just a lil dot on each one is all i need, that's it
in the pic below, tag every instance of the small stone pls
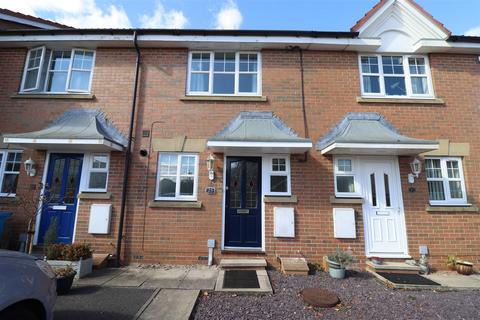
(320, 298)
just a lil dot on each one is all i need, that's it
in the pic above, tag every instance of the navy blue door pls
(63, 181)
(243, 212)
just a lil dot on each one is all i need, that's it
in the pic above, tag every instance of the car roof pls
(15, 254)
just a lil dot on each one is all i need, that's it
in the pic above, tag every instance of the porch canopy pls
(74, 130)
(258, 132)
(370, 134)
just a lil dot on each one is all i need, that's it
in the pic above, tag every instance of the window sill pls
(456, 208)
(175, 204)
(336, 200)
(78, 96)
(7, 199)
(95, 195)
(225, 98)
(280, 199)
(437, 101)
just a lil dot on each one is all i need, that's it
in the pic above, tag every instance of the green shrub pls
(69, 252)
(51, 234)
(343, 258)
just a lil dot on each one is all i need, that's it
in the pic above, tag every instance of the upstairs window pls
(224, 73)
(10, 164)
(395, 76)
(58, 71)
(446, 184)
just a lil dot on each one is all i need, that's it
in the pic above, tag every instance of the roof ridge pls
(34, 18)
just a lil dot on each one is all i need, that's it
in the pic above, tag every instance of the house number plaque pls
(210, 190)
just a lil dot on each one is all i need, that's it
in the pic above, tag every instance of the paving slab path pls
(170, 304)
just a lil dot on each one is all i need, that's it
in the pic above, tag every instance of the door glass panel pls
(251, 184)
(387, 190)
(56, 183)
(72, 181)
(235, 187)
(374, 189)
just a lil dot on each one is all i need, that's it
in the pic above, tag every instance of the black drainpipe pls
(305, 123)
(128, 153)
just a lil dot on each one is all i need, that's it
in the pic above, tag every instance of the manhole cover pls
(405, 278)
(237, 279)
(320, 297)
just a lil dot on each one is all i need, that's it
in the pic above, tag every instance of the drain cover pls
(239, 279)
(404, 278)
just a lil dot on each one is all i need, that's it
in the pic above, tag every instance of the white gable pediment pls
(400, 25)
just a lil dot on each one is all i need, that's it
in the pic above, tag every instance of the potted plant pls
(65, 278)
(77, 255)
(337, 262)
(451, 262)
(464, 267)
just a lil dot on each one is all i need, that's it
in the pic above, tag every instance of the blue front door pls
(243, 211)
(63, 181)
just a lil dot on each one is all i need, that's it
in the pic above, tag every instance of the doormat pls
(239, 279)
(405, 278)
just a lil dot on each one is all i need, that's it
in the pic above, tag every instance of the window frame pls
(88, 168)
(46, 75)
(236, 74)
(406, 74)
(40, 67)
(4, 153)
(353, 172)
(446, 186)
(178, 197)
(268, 171)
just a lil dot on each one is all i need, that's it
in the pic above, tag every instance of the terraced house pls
(272, 143)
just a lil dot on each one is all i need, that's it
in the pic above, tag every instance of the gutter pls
(128, 153)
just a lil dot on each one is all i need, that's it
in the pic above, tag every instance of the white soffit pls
(401, 27)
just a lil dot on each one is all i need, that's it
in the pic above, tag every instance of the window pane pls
(251, 186)
(80, 80)
(167, 187)
(453, 170)
(247, 83)
(31, 79)
(34, 59)
(248, 63)
(57, 81)
(417, 65)
(10, 181)
(278, 184)
(199, 82)
(369, 64)
(234, 187)
(455, 189)
(73, 178)
(279, 164)
(395, 86)
(387, 190)
(200, 62)
(168, 164)
(435, 190)
(371, 84)
(345, 184)
(14, 161)
(98, 180)
(100, 162)
(187, 165)
(374, 189)
(345, 165)
(186, 186)
(82, 60)
(432, 168)
(56, 183)
(60, 60)
(224, 83)
(419, 85)
(392, 65)
(224, 62)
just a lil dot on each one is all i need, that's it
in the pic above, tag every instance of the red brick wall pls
(331, 87)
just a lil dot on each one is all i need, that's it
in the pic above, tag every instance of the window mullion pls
(381, 75)
(210, 80)
(237, 73)
(407, 75)
(69, 71)
(177, 186)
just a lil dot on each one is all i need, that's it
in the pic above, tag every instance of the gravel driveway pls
(362, 298)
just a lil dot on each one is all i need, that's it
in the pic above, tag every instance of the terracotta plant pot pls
(464, 267)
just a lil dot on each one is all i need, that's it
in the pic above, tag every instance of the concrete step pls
(170, 304)
(100, 260)
(394, 267)
(296, 266)
(243, 263)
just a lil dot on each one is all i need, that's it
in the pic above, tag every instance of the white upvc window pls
(278, 177)
(395, 76)
(58, 71)
(346, 179)
(446, 183)
(177, 177)
(10, 164)
(96, 167)
(224, 73)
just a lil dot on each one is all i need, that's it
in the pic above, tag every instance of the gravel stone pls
(362, 297)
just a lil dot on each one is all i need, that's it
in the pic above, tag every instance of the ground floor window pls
(97, 168)
(346, 179)
(10, 163)
(446, 183)
(177, 176)
(278, 175)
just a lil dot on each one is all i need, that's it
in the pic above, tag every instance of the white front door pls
(385, 234)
